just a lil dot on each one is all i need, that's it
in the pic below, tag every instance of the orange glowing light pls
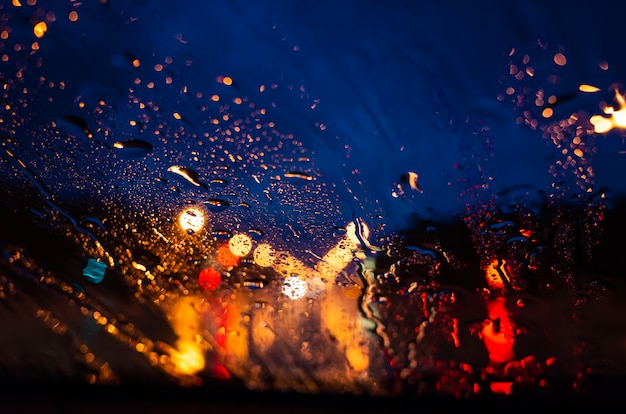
(497, 332)
(136, 63)
(547, 112)
(17, 3)
(560, 59)
(225, 257)
(495, 274)
(227, 80)
(617, 118)
(73, 16)
(588, 88)
(40, 29)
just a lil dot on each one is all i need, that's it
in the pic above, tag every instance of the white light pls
(191, 220)
(294, 287)
(240, 245)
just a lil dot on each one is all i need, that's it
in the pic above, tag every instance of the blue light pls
(94, 271)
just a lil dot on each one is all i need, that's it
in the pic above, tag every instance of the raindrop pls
(91, 221)
(257, 234)
(188, 174)
(133, 148)
(219, 181)
(216, 205)
(221, 234)
(299, 175)
(75, 124)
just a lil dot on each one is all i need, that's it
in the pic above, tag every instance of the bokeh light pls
(264, 255)
(294, 287)
(209, 279)
(191, 220)
(240, 244)
(225, 257)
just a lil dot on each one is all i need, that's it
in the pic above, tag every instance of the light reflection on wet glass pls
(182, 229)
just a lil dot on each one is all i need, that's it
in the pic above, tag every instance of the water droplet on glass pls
(221, 234)
(216, 204)
(75, 125)
(257, 234)
(133, 148)
(219, 181)
(299, 175)
(188, 174)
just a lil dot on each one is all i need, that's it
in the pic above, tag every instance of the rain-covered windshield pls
(353, 198)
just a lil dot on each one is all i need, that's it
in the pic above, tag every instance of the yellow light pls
(177, 116)
(264, 255)
(17, 3)
(358, 360)
(191, 220)
(588, 88)
(40, 29)
(240, 245)
(227, 80)
(187, 357)
(413, 177)
(617, 117)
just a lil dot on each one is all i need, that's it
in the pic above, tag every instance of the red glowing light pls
(209, 279)
(503, 387)
(225, 257)
(219, 371)
(498, 332)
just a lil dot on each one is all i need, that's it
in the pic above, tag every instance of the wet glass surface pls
(378, 201)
